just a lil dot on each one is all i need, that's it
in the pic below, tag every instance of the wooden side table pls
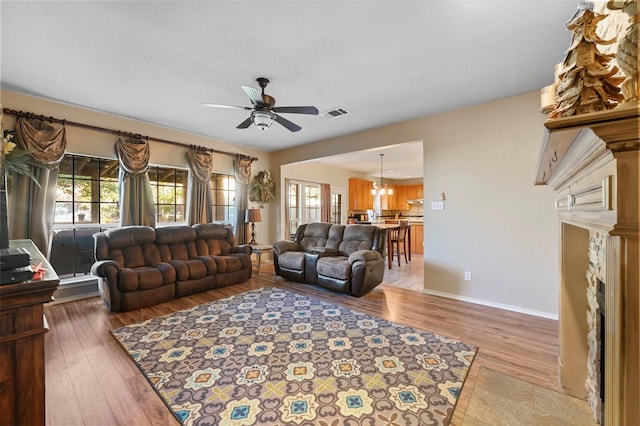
(22, 331)
(258, 249)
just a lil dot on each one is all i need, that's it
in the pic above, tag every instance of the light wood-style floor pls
(91, 380)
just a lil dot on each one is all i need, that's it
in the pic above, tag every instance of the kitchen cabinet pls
(404, 193)
(400, 195)
(360, 197)
(417, 239)
(414, 191)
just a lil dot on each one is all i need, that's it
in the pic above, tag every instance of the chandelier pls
(381, 188)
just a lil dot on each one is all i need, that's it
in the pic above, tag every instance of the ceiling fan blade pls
(286, 123)
(204, 104)
(297, 110)
(246, 123)
(254, 94)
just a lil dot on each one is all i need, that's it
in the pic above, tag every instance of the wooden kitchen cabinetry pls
(400, 198)
(360, 197)
(404, 193)
(417, 239)
(414, 192)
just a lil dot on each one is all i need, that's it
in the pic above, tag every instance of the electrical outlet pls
(467, 275)
(437, 205)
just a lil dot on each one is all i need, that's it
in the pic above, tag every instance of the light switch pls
(437, 205)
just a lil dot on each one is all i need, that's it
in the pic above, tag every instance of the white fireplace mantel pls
(592, 162)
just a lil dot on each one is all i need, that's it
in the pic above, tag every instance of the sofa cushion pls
(334, 267)
(315, 235)
(190, 269)
(146, 277)
(213, 239)
(293, 260)
(176, 243)
(130, 246)
(336, 235)
(356, 237)
(227, 264)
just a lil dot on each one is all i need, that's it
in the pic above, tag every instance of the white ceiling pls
(383, 61)
(402, 161)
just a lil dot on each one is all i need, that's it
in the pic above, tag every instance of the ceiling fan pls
(264, 111)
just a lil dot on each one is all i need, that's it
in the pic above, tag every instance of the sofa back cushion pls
(130, 246)
(214, 239)
(356, 237)
(176, 243)
(336, 234)
(315, 235)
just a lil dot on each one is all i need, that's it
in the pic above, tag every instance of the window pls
(303, 204)
(169, 187)
(292, 208)
(336, 208)
(223, 196)
(86, 202)
(312, 203)
(87, 191)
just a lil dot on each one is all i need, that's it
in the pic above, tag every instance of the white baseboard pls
(71, 289)
(492, 304)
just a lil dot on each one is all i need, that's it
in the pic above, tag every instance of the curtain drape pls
(199, 204)
(242, 171)
(325, 202)
(32, 207)
(291, 223)
(134, 189)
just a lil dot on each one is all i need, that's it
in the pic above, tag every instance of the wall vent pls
(334, 113)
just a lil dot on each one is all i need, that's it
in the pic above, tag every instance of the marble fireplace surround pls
(592, 161)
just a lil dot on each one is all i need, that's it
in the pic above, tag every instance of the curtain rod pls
(116, 132)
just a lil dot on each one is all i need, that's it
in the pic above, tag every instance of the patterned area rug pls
(271, 356)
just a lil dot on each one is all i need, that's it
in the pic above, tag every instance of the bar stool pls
(398, 241)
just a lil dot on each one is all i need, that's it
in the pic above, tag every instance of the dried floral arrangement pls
(262, 188)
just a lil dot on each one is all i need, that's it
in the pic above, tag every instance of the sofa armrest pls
(100, 267)
(323, 251)
(242, 248)
(282, 246)
(364, 256)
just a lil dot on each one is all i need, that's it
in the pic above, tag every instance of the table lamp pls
(252, 216)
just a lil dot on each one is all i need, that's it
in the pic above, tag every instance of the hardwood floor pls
(91, 380)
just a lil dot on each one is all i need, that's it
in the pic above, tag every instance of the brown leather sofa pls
(139, 266)
(343, 258)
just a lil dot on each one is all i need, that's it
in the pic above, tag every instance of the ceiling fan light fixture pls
(262, 119)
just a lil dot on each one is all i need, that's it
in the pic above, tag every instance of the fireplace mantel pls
(592, 162)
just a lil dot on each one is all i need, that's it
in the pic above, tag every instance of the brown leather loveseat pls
(139, 266)
(343, 258)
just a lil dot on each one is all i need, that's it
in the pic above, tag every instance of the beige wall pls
(496, 223)
(101, 144)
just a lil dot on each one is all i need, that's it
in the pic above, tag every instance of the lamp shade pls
(252, 215)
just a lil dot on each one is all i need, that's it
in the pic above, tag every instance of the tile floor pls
(501, 400)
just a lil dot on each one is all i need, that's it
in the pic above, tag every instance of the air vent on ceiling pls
(334, 113)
